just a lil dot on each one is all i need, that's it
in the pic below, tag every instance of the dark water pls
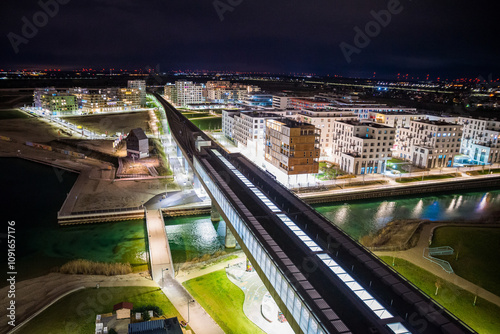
(33, 193)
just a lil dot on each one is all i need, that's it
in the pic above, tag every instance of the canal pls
(33, 193)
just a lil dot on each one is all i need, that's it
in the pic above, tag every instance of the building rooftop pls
(293, 123)
(414, 113)
(369, 124)
(164, 326)
(257, 114)
(121, 305)
(426, 121)
(139, 133)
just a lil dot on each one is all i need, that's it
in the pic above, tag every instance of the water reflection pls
(362, 217)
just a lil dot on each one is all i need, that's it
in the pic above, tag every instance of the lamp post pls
(189, 302)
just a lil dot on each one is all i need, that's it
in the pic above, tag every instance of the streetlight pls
(189, 302)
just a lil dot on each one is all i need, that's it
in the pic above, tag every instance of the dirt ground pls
(34, 294)
(112, 123)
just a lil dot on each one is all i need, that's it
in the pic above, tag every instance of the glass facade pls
(294, 303)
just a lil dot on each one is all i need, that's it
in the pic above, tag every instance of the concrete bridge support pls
(230, 241)
(214, 214)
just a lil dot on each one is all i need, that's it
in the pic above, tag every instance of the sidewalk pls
(199, 320)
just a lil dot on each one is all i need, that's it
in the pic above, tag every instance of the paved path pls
(72, 197)
(415, 256)
(159, 249)
(199, 320)
(255, 291)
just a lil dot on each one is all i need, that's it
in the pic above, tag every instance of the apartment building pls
(480, 140)
(141, 86)
(292, 147)
(362, 148)
(395, 119)
(429, 144)
(304, 103)
(363, 109)
(60, 104)
(324, 119)
(183, 93)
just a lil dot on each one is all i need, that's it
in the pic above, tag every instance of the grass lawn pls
(483, 317)
(76, 312)
(478, 253)
(196, 115)
(484, 172)
(208, 123)
(426, 178)
(395, 161)
(223, 301)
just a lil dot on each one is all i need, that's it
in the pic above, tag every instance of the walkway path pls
(159, 249)
(199, 320)
(415, 256)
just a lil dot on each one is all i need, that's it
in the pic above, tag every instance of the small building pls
(163, 326)
(123, 310)
(137, 144)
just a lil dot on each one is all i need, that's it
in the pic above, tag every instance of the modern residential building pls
(250, 132)
(59, 104)
(282, 101)
(480, 140)
(429, 144)
(395, 119)
(257, 100)
(128, 98)
(324, 119)
(308, 103)
(141, 86)
(363, 108)
(228, 123)
(183, 93)
(362, 148)
(292, 147)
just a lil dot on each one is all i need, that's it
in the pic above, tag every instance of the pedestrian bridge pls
(322, 280)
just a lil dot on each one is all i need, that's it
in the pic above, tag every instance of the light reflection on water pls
(363, 217)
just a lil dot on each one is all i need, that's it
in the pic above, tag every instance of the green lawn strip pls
(76, 312)
(208, 123)
(484, 172)
(477, 255)
(223, 301)
(426, 178)
(483, 317)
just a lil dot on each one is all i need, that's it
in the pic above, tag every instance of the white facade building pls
(324, 119)
(363, 109)
(362, 148)
(480, 140)
(429, 144)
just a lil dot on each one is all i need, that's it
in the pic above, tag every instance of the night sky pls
(443, 38)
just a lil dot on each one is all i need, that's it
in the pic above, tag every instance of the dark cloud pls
(438, 37)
